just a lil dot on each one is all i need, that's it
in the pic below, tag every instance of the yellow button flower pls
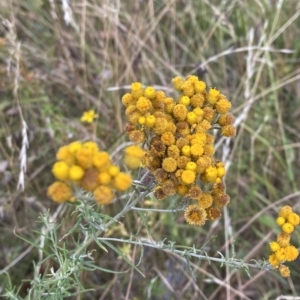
(188, 176)
(61, 170)
(59, 192)
(88, 116)
(122, 182)
(103, 195)
(76, 173)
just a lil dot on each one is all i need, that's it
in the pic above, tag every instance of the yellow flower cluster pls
(86, 166)
(133, 156)
(180, 151)
(282, 249)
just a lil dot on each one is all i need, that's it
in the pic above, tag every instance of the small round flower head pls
(291, 253)
(101, 160)
(213, 213)
(142, 120)
(200, 86)
(177, 82)
(228, 130)
(209, 150)
(221, 200)
(203, 163)
(274, 246)
(104, 178)
(152, 162)
(283, 239)
(197, 100)
(169, 187)
(221, 171)
(285, 211)
(209, 114)
(168, 138)
(160, 126)
(206, 200)
(160, 175)
(129, 127)
(134, 150)
(144, 105)
(199, 138)
(185, 100)
(274, 261)
(188, 88)
(113, 170)
(199, 113)
(213, 96)
(195, 215)
(90, 180)
(223, 105)
(131, 109)
(195, 192)
(188, 176)
(182, 161)
(226, 119)
(181, 142)
(64, 154)
(280, 221)
(150, 121)
(149, 92)
(91, 146)
(103, 195)
(59, 192)
(280, 254)
(84, 158)
(169, 164)
(133, 156)
(159, 193)
(191, 166)
(76, 173)
(180, 112)
(293, 219)
(127, 99)
(137, 136)
(122, 182)
(197, 150)
(160, 96)
(169, 105)
(284, 271)
(74, 147)
(183, 128)
(173, 151)
(171, 127)
(182, 189)
(137, 90)
(186, 150)
(203, 126)
(191, 118)
(158, 147)
(61, 170)
(287, 227)
(210, 139)
(210, 174)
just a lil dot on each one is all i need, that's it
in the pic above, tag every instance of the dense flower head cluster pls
(86, 166)
(282, 249)
(180, 147)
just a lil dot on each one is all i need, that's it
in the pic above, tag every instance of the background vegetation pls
(58, 61)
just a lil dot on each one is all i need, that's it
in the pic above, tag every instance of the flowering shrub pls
(85, 165)
(173, 140)
(282, 249)
(179, 148)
